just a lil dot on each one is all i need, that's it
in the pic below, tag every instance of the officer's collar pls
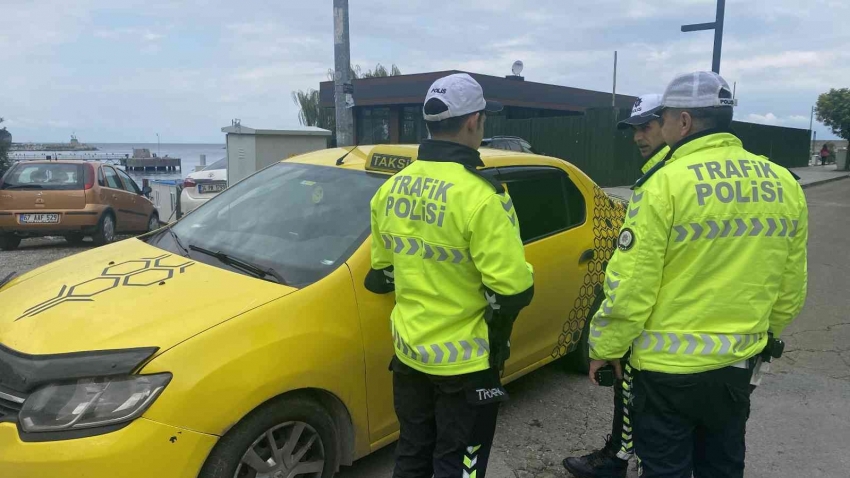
(653, 158)
(688, 145)
(449, 152)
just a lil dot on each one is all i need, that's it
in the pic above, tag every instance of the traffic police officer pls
(460, 277)
(613, 459)
(711, 261)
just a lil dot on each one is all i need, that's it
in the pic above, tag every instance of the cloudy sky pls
(121, 71)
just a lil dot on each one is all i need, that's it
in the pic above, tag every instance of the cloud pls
(768, 118)
(114, 70)
(137, 34)
(771, 119)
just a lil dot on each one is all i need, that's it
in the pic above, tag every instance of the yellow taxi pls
(241, 342)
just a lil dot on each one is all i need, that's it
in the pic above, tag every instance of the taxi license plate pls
(211, 188)
(39, 218)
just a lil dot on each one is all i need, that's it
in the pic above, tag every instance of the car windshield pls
(302, 221)
(44, 176)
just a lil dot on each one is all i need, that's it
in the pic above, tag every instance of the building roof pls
(299, 131)
(411, 89)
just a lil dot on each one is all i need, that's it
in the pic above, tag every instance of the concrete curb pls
(824, 181)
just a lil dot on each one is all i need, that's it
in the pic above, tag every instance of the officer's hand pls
(618, 369)
(595, 365)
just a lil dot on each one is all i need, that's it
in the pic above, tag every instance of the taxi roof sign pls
(390, 159)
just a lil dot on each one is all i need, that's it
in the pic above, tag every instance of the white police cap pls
(461, 95)
(700, 89)
(645, 110)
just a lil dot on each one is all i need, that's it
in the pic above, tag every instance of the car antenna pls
(339, 161)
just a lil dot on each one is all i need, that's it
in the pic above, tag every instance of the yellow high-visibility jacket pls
(450, 235)
(711, 256)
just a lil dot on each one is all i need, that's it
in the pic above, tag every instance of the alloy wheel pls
(285, 451)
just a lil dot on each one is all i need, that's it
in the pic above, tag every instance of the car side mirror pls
(146, 191)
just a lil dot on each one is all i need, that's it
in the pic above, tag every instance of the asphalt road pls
(800, 421)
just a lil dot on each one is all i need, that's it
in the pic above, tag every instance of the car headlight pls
(91, 402)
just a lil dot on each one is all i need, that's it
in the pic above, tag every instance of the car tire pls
(105, 233)
(579, 359)
(298, 424)
(9, 242)
(75, 239)
(153, 222)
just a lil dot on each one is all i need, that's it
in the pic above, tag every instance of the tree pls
(310, 111)
(833, 110)
(380, 71)
(357, 73)
(5, 143)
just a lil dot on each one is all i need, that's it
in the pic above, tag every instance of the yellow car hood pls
(125, 295)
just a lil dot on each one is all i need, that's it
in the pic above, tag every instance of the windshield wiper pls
(23, 186)
(242, 265)
(177, 241)
(7, 279)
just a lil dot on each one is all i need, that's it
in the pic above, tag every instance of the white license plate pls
(211, 188)
(39, 218)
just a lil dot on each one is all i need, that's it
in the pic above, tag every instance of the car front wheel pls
(153, 222)
(283, 438)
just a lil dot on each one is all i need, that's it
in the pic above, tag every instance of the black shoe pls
(602, 463)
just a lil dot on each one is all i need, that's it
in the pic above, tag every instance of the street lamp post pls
(812, 134)
(158, 154)
(717, 26)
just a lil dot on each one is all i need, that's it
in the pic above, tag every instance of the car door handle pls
(586, 256)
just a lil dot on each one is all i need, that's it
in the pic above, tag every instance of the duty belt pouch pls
(499, 327)
(484, 388)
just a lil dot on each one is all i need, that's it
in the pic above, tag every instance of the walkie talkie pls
(605, 376)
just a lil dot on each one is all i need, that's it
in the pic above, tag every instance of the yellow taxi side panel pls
(375, 310)
(142, 449)
(309, 339)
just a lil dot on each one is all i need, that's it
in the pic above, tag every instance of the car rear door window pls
(500, 144)
(545, 199)
(112, 180)
(129, 184)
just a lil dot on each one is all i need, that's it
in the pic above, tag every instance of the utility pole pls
(157, 146)
(614, 90)
(814, 140)
(342, 76)
(811, 124)
(717, 26)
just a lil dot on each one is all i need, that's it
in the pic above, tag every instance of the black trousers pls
(692, 423)
(447, 423)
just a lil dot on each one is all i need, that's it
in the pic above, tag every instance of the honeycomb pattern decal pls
(608, 216)
(135, 273)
